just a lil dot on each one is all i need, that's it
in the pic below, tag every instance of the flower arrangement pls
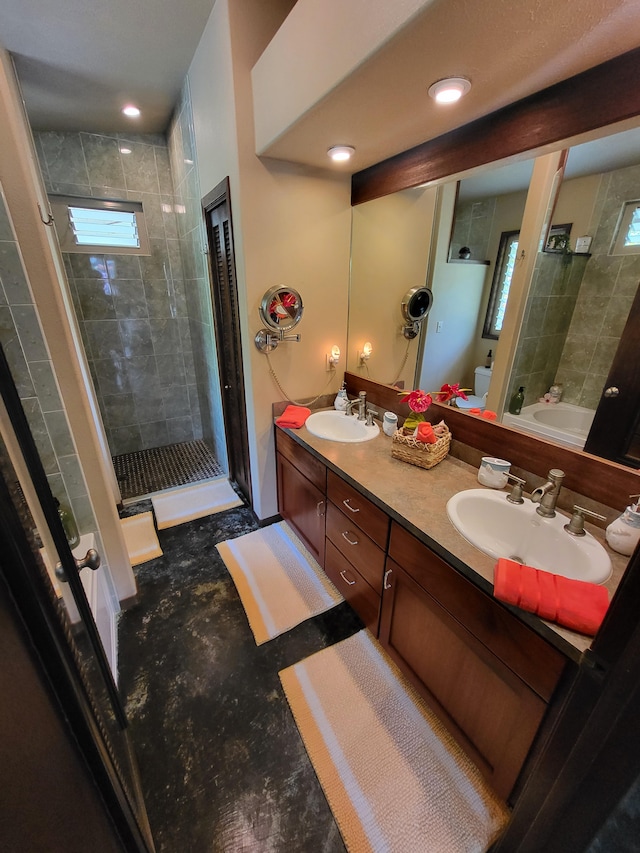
(419, 401)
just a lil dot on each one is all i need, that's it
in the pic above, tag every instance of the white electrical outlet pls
(439, 325)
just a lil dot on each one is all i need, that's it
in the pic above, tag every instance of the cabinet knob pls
(386, 585)
(345, 535)
(349, 507)
(346, 580)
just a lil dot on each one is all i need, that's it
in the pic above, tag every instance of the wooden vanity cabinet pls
(357, 536)
(486, 674)
(302, 488)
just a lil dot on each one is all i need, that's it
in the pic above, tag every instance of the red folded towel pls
(293, 417)
(575, 604)
(425, 433)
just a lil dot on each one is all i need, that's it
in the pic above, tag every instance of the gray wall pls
(550, 306)
(608, 289)
(32, 371)
(131, 310)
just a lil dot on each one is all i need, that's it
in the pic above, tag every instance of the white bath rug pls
(140, 538)
(190, 502)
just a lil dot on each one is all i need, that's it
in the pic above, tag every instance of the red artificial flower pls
(447, 392)
(418, 401)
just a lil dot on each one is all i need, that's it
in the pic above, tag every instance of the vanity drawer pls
(534, 660)
(353, 587)
(356, 546)
(314, 470)
(366, 515)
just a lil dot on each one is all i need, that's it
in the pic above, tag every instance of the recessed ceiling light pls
(449, 90)
(340, 153)
(131, 111)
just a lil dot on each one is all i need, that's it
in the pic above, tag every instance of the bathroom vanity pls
(379, 529)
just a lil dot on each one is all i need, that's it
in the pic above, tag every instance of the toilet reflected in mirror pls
(478, 399)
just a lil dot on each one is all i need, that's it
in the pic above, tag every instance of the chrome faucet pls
(547, 495)
(361, 403)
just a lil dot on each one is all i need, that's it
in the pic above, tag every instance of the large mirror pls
(457, 236)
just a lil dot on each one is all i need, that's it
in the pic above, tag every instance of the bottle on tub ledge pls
(517, 401)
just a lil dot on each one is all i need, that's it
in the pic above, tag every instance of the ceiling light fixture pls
(449, 90)
(341, 153)
(125, 151)
(131, 111)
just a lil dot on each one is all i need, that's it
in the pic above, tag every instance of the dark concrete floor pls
(222, 763)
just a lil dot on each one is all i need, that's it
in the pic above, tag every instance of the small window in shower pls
(100, 225)
(627, 237)
(505, 263)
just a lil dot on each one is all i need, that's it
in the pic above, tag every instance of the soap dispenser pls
(68, 523)
(340, 403)
(623, 534)
(517, 401)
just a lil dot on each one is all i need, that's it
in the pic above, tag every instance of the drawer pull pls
(350, 541)
(346, 580)
(349, 507)
(386, 585)
(320, 509)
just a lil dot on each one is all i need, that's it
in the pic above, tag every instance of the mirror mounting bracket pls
(266, 341)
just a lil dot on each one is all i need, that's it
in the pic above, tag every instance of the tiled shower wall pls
(472, 227)
(578, 306)
(550, 305)
(608, 288)
(131, 309)
(192, 236)
(32, 371)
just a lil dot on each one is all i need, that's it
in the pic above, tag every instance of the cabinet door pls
(488, 709)
(303, 505)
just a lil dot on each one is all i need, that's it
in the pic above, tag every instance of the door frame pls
(228, 337)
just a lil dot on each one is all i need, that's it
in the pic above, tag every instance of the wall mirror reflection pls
(578, 301)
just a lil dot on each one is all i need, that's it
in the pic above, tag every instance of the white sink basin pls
(336, 426)
(501, 529)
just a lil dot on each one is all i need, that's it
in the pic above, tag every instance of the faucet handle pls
(515, 496)
(576, 525)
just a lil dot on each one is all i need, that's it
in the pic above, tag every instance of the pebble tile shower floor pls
(145, 471)
(223, 767)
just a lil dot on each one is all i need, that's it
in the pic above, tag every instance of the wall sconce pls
(367, 349)
(333, 357)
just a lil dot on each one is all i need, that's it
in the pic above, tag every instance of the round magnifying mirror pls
(281, 308)
(416, 304)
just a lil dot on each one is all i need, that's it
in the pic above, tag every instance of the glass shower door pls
(37, 564)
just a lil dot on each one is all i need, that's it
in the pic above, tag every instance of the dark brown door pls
(615, 432)
(224, 294)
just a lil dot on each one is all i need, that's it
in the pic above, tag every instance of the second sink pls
(488, 521)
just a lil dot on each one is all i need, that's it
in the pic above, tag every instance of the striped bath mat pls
(140, 538)
(279, 582)
(187, 503)
(394, 777)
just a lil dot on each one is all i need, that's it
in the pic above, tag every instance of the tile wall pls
(193, 240)
(608, 288)
(132, 310)
(472, 228)
(550, 305)
(24, 345)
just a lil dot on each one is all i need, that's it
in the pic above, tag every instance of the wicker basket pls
(419, 453)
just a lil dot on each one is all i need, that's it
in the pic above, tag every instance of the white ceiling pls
(79, 61)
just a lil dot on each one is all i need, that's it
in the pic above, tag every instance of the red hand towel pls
(575, 604)
(425, 433)
(293, 417)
